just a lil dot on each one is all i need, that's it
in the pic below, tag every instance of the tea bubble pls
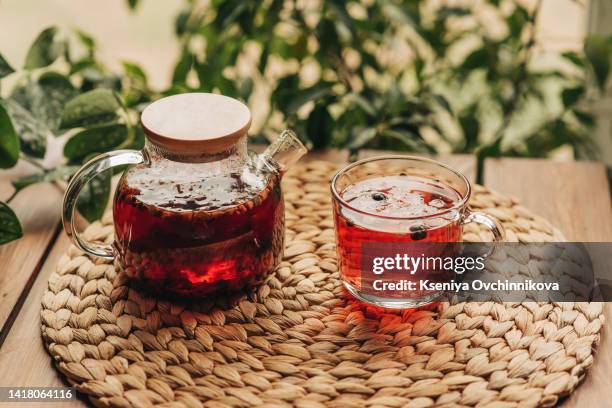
(437, 203)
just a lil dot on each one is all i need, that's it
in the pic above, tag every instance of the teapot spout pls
(284, 151)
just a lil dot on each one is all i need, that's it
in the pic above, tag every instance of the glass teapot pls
(196, 212)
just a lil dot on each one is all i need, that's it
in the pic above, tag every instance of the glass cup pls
(390, 204)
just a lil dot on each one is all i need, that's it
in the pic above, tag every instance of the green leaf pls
(517, 21)
(58, 173)
(246, 88)
(94, 140)
(5, 67)
(94, 196)
(87, 40)
(45, 49)
(302, 97)
(476, 59)
(9, 142)
(134, 71)
(586, 118)
(32, 133)
(471, 128)
(443, 102)
(446, 11)
(574, 58)
(182, 68)
(46, 98)
(91, 108)
(362, 137)
(410, 139)
(137, 87)
(82, 65)
(598, 52)
(319, 126)
(10, 228)
(572, 95)
(180, 23)
(286, 88)
(396, 13)
(97, 77)
(362, 102)
(132, 4)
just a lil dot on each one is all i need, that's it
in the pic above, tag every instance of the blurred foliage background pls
(414, 75)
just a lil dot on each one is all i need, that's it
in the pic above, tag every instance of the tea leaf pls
(58, 173)
(94, 140)
(91, 108)
(10, 228)
(5, 68)
(45, 49)
(32, 133)
(94, 197)
(9, 142)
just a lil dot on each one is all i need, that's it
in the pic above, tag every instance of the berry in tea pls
(179, 234)
(393, 209)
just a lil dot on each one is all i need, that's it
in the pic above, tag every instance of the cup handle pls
(85, 174)
(496, 228)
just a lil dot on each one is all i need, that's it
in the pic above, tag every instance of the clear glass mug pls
(196, 212)
(399, 203)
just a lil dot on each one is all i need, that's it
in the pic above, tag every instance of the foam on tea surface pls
(165, 188)
(400, 196)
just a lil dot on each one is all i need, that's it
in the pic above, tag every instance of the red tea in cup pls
(398, 203)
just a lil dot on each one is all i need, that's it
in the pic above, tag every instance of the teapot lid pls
(195, 123)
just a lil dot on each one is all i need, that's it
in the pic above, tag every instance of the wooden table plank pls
(24, 362)
(575, 197)
(38, 209)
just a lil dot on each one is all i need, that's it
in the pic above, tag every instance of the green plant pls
(394, 74)
(407, 75)
(64, 91)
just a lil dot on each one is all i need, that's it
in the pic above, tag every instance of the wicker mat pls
(297, 340)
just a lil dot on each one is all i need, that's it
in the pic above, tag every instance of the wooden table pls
(575, 197)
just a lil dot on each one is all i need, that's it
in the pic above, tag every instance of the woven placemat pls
(298, 340)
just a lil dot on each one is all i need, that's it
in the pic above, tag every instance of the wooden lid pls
(195, 123)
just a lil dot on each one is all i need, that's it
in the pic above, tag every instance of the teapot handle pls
(85, 174)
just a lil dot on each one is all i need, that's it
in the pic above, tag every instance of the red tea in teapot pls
(192, 238)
